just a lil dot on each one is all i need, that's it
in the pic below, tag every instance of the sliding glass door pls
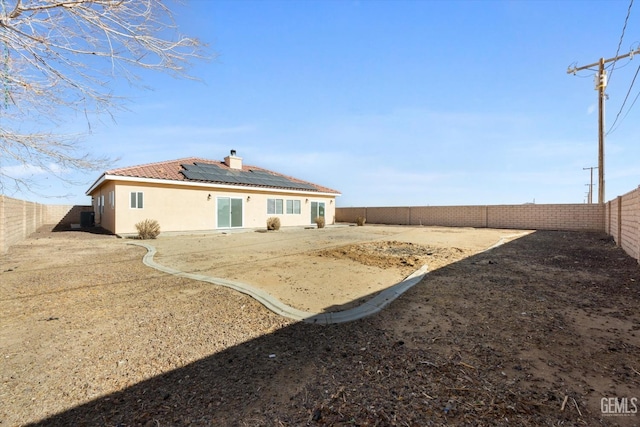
(229, 212)
(317, 209)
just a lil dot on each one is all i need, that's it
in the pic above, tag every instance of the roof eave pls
(106, 177)
(96, 184)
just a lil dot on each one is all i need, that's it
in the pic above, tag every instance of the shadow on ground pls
(498, 338)
(91, 230)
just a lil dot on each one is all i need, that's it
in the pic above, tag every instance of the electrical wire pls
(626, 64)
(624, 27)
(611, 129)
(632, 104)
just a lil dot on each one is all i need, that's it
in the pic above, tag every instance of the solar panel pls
(214, 173)
(208, 166)
(198, 176)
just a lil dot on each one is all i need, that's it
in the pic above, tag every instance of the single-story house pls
(194, 194)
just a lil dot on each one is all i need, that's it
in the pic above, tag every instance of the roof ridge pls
(144, 165)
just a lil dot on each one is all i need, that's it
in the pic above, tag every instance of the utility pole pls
(601, 84)
(591, 184)
(589, 196)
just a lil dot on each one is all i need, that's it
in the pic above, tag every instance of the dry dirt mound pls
(394, 254)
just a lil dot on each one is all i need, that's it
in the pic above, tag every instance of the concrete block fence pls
(622, 221)
(19, 218)
(619, 218)
(578, 217)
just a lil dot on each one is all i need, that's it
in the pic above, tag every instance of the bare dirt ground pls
(330, 269)
(534, 332)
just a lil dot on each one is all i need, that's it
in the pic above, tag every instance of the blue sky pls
(391, 102)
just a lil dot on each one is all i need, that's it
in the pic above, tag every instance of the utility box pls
(87, 219)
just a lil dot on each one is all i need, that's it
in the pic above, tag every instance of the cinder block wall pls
(619, 218)
(574, 217)
(623, 221)
(19, 218)
(538, 217)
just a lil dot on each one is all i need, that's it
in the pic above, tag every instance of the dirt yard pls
(327, 269)
(533, 332)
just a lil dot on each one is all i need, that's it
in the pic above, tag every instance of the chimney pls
(233, 161)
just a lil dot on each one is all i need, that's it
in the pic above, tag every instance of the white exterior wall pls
(188, 208)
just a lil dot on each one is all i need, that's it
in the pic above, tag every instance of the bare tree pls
(57, 60)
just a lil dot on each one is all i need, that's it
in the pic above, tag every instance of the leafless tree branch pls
(57, 57)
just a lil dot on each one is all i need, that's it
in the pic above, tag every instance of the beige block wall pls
(619, 218)
(181, 208)
(19, 218)
(539, 217)
(623, 221)
(574, 217)
(450, 216)
(453, 216)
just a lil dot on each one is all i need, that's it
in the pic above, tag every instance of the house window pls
(112, 199)
(136, 199)
(274, 206)
(293, 206)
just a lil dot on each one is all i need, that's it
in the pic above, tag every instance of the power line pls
(611, 129)
(601, 84)
(624, 27)
(590, 194)
(632, 104)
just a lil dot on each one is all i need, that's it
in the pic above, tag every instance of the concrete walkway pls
(372, 306)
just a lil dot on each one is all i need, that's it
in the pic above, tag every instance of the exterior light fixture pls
(209, 197)
(248, 198)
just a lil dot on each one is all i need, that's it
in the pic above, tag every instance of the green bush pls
(148, 229)
(320, 222)
(360, 221)
(273, 223)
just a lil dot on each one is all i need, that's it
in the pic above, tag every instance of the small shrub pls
(148, 229)
(360, 221)
(320, 222)
(273, 223)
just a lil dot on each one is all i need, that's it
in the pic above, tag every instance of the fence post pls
(486, 216)
(637, 211)
(619, 231)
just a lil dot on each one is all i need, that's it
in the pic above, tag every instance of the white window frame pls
(294, 207)
(112, 199)
(275, 206)
(138, 201)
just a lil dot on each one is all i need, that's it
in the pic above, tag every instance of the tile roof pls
(172, 170)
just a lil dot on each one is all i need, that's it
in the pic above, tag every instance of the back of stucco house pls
(195, 194)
